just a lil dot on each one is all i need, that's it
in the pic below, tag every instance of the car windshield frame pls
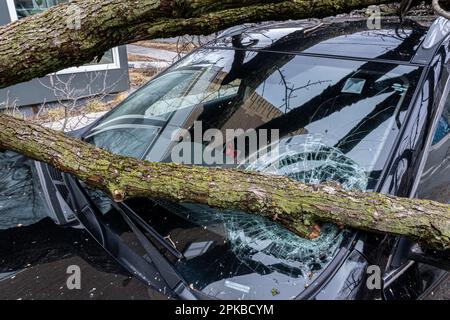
(405, 107)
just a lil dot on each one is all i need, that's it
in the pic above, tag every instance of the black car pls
(367, 108)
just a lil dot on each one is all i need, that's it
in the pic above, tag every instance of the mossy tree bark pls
(48, 42)
(295, 205)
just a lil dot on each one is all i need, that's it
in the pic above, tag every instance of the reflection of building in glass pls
(255, 111)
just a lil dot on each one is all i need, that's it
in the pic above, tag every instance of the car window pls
(434, 182)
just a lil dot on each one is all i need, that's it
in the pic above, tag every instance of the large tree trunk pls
(26, 54)
(295, 205)
(48, 42)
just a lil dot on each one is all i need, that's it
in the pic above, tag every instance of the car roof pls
(351, 38)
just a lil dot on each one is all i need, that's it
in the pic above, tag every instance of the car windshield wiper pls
(166, 271)
(124, 209)
(129, 214)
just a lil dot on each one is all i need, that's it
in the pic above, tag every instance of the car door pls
(420, 169)
(414, 269)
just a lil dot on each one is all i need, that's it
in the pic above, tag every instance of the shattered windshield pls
(331, 121)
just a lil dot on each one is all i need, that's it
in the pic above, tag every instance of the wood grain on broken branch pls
(297, 206)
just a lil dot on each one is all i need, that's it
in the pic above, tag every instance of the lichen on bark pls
(297, 206)
(44, 43)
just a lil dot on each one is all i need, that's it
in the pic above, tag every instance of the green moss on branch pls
(295, 205)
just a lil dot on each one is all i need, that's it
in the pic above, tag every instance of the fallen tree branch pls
(295, 205)
(439, 10)
(44, 43)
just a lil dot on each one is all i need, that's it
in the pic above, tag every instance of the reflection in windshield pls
(351, 106)
(337, 121)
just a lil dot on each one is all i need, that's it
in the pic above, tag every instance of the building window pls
(26, 8)
(22, 8)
